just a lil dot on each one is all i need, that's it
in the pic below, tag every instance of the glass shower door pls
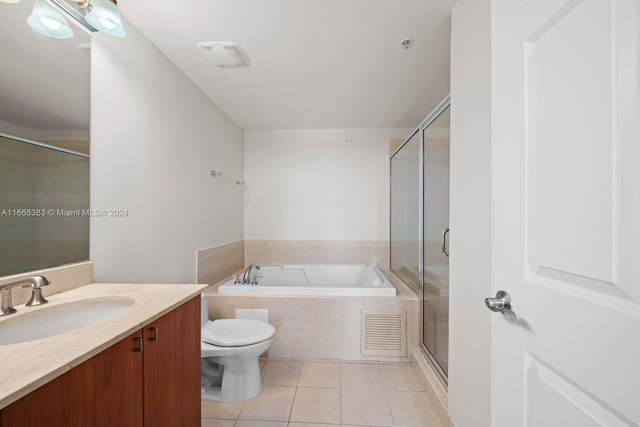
(405, 212)
(435, 295)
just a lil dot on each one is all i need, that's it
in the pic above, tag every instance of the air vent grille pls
(383, 333)
(442, 334)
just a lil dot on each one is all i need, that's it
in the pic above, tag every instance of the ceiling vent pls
(224, 54)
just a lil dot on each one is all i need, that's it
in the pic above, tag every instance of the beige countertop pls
(29, 365)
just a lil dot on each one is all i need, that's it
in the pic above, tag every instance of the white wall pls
(470, 218)
(320, 184)
(154, 139)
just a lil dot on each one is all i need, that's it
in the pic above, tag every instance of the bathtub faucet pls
(246, 277)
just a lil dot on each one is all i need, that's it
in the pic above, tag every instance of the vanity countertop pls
(26, 366)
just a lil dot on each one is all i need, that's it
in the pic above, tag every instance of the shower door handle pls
(443, 242)
(502, 303)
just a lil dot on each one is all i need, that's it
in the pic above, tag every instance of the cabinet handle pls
(139, 344)
(154, 333)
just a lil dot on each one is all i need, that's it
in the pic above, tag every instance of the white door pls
(566, 212)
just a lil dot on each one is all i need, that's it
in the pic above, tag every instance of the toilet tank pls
(204, 310)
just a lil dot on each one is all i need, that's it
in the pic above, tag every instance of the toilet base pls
(210, 394)
(240, 381)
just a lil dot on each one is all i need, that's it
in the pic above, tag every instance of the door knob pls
(502, 303)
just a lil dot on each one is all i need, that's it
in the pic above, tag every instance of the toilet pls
(230, 348)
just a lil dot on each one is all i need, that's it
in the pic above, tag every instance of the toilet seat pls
(236, 332)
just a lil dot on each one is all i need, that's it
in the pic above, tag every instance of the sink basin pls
(59, 320)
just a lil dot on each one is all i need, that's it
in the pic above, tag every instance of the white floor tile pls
(365, 407)
(320, 374)
(316, 405)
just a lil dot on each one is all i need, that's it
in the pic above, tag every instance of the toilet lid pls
(236, 332)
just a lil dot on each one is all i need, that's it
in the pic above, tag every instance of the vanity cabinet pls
(150, 378)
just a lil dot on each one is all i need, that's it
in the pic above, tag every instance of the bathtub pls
(312, 279)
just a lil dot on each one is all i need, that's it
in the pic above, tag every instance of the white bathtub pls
(311, 279)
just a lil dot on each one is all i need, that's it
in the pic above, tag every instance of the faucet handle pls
(38, 282)
(236, 279)
(36, 291)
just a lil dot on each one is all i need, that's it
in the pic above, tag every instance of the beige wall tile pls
(313, 327)
(310, 310)
(317, 252)
(281, 346)
(345, 310)
(220, 262)
(308, 340)
(343, 341)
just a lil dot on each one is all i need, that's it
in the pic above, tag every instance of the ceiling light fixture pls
(48, 17)
(224, 54)
(48, 21)
(105, 17)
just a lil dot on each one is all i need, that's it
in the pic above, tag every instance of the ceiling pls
(314, 63)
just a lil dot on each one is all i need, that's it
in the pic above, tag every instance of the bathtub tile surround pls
(219, 262)
(317, 327)
(317, 252)
(62, 278)
(332, 393)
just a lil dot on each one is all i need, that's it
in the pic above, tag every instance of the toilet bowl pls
(229, 356)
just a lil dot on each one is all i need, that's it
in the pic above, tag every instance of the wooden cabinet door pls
(104, 391)
(40, 407)
(172, 368)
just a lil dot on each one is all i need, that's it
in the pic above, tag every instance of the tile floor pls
(312, 393)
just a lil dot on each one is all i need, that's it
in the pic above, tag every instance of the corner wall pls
(154, 139)
(314, 194)
(470, 219)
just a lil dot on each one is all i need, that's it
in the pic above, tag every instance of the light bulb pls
(107, 23)
(50, 23)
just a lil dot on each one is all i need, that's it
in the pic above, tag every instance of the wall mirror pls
(44, 144)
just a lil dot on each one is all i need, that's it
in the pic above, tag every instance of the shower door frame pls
(442, 106)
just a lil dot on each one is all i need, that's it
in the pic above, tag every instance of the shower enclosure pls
(420, 228)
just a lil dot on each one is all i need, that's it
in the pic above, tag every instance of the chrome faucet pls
(34, 282)
(246, 277)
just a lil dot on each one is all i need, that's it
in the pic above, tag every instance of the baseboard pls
(432, 385)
